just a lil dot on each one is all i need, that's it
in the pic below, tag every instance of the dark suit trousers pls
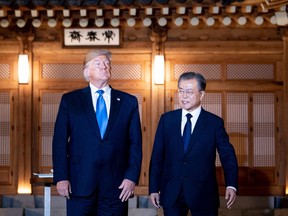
(96, 205)
(181, 208)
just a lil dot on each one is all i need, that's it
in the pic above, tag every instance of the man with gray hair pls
(97, 144)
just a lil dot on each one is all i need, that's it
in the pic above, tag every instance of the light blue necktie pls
(101, 113)
(187, 132)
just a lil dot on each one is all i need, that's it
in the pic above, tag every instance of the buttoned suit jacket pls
(171, 168)
(82, 157)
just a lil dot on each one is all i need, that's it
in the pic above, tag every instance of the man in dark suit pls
(97, 158)
(183, 176)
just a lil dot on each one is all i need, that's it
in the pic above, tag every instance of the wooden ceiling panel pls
(52, 15)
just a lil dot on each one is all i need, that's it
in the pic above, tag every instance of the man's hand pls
(154, 198)
(230, 196)
(127, 187)
(64, 188)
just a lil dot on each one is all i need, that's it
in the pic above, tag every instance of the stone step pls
(11, 211)
(62, 212)
(40, 212)
(18, 201)
(144, 212)
(33, 205)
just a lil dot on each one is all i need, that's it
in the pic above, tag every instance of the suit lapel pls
(114, 110)
(200, 124)
(86, 99)
(176, 133)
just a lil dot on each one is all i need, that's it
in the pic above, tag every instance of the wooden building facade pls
(240, 47)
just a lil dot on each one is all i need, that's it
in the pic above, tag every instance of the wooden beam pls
(285, 104)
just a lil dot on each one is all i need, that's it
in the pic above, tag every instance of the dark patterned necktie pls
(101, 113)
(187, 132)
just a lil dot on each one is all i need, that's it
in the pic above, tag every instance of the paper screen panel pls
(176, 101)
(264, 129)
(250, 71)
(62, 71)
(5, 126)
(140, 103)
(238, 125)
(212, 102)
(50, 106)
(75, 71)
(209, 71)
(126, 72)
(4, 71)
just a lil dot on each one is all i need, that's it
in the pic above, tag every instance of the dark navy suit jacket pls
(83, 158)
(171, 168)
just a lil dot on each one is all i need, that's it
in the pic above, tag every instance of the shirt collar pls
(106, 89)
(195, 113)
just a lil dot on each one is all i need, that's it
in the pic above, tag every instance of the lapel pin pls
(118, 99)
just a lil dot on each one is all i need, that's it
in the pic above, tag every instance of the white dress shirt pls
(106, 96)
(195, 114)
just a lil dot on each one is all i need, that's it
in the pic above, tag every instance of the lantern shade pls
(159, 67)
(23, 69)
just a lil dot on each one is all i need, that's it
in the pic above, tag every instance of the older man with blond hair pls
(97, 144)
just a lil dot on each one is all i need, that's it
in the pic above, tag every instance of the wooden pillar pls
(158, 37)
(285, 104)
(24, 121)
